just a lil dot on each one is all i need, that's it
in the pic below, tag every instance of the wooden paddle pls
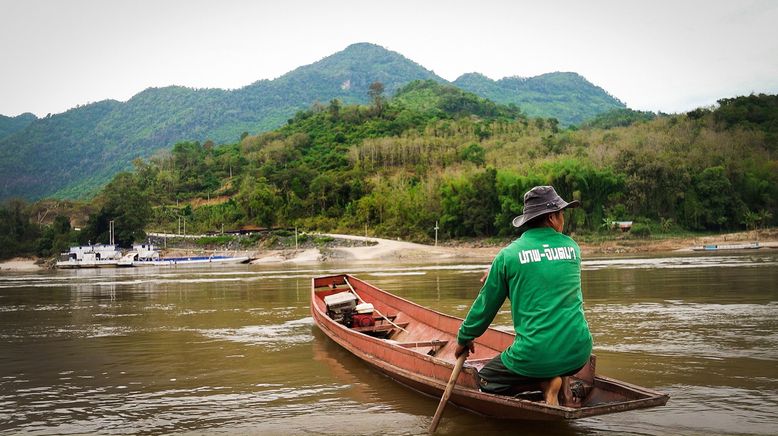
(447, 393)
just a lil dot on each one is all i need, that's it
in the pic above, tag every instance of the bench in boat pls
(380, 327)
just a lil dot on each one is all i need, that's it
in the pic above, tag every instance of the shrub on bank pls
(640, 230)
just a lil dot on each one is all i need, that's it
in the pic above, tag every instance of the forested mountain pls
(71, 155)
(568, 97)
(618, 118)
(11, 125)
(437, 154)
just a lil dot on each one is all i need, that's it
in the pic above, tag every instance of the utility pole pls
(436, 233)
(295, 238)
(110, 232)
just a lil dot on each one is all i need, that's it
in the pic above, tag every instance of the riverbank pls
(388, 249)
(360, 248)
(364, 248)
(21, 264)
(766, 238)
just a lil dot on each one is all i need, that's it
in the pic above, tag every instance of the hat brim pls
(523, 219)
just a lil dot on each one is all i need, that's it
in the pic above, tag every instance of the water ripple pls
(274, 337)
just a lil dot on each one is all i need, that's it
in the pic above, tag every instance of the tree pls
(482, 205)
(259, 200)
(57, 237)
(470, 205)
(124, 203)
(17, 233)
(334, 109)
(719, 204)
(473, 153)
(376, 94)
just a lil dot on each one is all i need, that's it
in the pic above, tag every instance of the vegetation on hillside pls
(568, 97)
(618, 118)
(74, 154)
(11, 125)
(437, 154)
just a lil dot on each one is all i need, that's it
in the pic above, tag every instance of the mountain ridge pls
(11, 125)
(531, 94)
(72, 154)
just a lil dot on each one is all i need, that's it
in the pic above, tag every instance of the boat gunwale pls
(543, 411)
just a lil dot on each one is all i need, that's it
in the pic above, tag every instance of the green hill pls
(11, 125)
(73, 154)
(436, 156)
(618, 118)
(568, 97)
(435, 153)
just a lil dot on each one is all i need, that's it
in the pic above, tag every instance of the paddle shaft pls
(374, 309)
(447, 393)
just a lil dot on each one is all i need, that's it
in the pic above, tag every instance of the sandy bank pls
(767, 238)
(380, 249)
(19, 264)
(362, 248)
(388, 249)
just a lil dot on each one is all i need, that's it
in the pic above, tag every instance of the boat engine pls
(341, 306)
(363, 316)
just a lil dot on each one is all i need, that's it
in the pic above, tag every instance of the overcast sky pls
(657, 55)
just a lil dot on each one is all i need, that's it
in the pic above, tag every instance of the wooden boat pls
(148, 255)
(720, 247)
(90, 256)
(415, 346)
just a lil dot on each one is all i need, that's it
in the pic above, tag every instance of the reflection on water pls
(234, 349)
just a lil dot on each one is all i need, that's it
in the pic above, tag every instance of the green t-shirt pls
(541, 275)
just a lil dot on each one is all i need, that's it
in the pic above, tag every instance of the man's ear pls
(556, 220)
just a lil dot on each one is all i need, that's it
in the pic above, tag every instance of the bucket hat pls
(541, 200)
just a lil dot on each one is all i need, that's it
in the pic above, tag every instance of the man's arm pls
(485, 306)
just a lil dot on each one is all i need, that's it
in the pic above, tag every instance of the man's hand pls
(468, 348)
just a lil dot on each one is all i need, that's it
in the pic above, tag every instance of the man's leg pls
(495, 378)
(566, 397)
(551, 390)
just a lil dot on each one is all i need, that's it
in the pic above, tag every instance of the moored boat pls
(720, 247)
(90, 256)
(148, 255)
(415, 346)
(192, 260)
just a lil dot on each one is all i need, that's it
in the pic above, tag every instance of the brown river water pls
(234, 350)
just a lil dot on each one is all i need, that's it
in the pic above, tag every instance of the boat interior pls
(410, 326)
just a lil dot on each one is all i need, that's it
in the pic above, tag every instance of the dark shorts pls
(495, 378)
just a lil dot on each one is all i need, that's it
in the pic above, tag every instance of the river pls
(234, 350)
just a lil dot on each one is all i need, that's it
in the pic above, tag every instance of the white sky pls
(654, 55)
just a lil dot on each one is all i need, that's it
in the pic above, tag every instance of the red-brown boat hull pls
(420, 354)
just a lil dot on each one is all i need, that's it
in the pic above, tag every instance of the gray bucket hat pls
(541, 200)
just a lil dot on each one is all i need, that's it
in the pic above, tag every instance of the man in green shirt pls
(540, 273)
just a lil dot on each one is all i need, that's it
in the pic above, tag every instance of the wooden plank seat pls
(418, 344)
(379, 327)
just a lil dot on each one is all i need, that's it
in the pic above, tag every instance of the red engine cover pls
(362, 320)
